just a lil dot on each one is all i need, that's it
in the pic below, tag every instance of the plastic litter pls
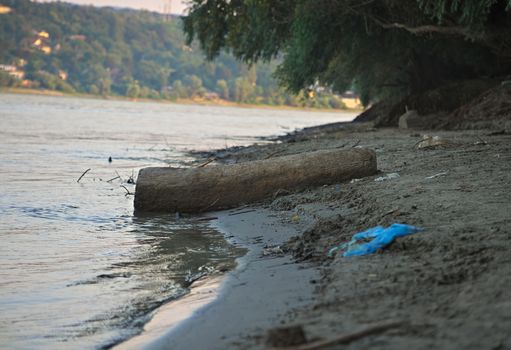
(381, 237)
(387, 177)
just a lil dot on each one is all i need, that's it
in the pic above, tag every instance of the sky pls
(178, 6)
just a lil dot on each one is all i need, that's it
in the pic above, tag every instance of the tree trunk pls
(193, 190)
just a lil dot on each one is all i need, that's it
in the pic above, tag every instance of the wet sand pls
(450, 285)
(264, 286)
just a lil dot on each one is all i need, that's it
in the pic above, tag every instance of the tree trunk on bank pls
(193, 190)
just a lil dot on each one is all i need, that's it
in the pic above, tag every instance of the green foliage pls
(472, 14)
(7, 80)
(123, 52)
(222, 89)
(51, 82)
(194, 84)
(179, 90)
(133, 89)
(381, 48)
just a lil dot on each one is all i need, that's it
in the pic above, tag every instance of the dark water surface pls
(77, 269)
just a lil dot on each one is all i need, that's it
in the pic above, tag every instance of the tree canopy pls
(381, 47)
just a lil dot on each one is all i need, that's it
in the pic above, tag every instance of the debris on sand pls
(431, 142)
(381, 237)
(443, 173)
(387, 177)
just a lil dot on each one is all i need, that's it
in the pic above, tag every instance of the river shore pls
(182, 101)
(262, 289)
(448, 286)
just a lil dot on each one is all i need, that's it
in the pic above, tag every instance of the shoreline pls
(169, 315)
(437, 283)
(197, 102)
(215, 300)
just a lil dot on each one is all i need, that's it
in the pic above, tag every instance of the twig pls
(480, 142)
(343, 145)
(273, 154)
(279, 191)
(131, 179)
(499, 132)
(210, 160)
(128, 193)
(349, 337)
(242, 212)
(390, 212)
(207, 218)
(356, 144)
(115, 178)
(241, 208)
(212, 204)
(83, 174)
(120, 177)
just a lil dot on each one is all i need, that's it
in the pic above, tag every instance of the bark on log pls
(193, 190)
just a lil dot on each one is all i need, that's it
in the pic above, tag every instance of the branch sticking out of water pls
(83, 174)
(128, 193)
(115, 178)
(119, 176)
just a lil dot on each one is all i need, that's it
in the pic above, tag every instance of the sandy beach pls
(449, 285)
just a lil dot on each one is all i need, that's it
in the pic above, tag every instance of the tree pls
(222, 89)
(93, 89)
(243, 91)
(6, 79)
(382, 48)
(133, 89)
(178, 89)
(194, 85)
(105, 85)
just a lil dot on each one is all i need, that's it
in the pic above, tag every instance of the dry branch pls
(210, 160)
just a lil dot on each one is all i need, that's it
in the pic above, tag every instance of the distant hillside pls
(59, 46)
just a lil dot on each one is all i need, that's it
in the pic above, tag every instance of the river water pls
(77, 269)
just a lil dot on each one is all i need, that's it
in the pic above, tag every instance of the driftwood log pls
(193, 190)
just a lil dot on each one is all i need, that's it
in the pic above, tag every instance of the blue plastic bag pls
(381, 237)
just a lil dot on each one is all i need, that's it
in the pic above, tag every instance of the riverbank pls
(183, 101)
(449, 285)
(127, 265)
(252, 297)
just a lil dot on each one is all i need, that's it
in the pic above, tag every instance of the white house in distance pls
(4, 9)
(12, 71)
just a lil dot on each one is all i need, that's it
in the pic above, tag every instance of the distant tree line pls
(138, 54)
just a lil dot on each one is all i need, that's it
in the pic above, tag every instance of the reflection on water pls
(160, 269)
(77, 269)
(100, 287)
